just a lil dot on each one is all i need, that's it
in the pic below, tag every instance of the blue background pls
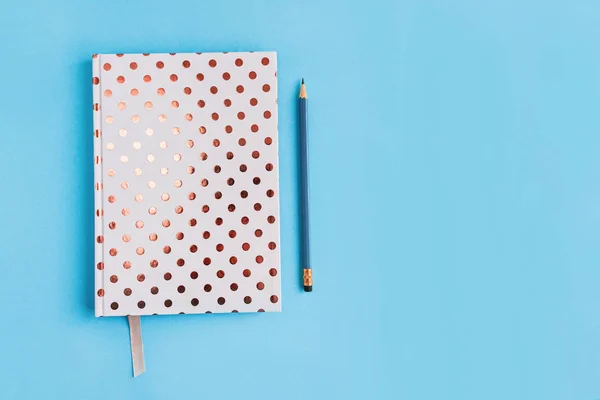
(455, 185)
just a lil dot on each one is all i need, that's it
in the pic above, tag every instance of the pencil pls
(303, 117)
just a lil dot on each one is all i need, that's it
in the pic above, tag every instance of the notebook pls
(186, 183)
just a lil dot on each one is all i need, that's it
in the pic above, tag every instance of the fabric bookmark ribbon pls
(137, 347)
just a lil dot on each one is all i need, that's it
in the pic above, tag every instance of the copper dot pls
(167, 249)
(114, 278)
(266, 88)
(274, 299)
(231, 207)
(160, 91)
(100, 266)
(114, 305)
(173, 78)
(147, 78)
(140, 251)
(134, 92)
(207, 288)
(252, 75)
(108, 93)
(138, 197)
(256, 180)
(257, 206)
(166, 223)
(135, 119)
(100, 292)
(234, 286)
(245, 220)
(194, 275)
(214, 90)
(125, 211)
(180, 262)
(192, 196)
(120, 79)
(168, 303)
(247, 273)
(229, 155)
(195, 302)
(192, 222)
(220, 274)
(204, 182)
(139, 224)
(260, 259)
(270, 193)
(219, 221)
(247, 299)
(187, 90)
(239, 62)
(232, 234)
(212, 63)
(246, 246)
(112, 252)
(239, 89)
(227, 102)
(203, 156)
(255, 154)
(217, 169)
(226, 76)
(206, 234)
(260, 286)
(270, 219)
(273, 272)
(200, 77)
(153, 237)
(141, 304)
(153, 263)
(230, 181)
(258, 233)
(221, 300)
(220, 247)
(193, 248)
(112, 225)
(242, 142)
(268, 141)
(269, 167)
(241, 115)
(206, 261)
(95, 80)
(267, 114)
(160, 64)
(243, 168)
(215, 116)
(253, 102)
(154, 290)
(167, 276)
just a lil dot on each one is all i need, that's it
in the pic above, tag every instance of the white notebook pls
(186, 183)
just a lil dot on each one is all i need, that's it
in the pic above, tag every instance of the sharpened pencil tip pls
(303, 81)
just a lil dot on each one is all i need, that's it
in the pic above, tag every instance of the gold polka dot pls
(135, 119)
(109, 120)
(149, 131)
(175, 104)
(126, 237)
(177, 157)
(122, 132)
(138, 198)
(151, 184)
(189, 143)
(125, 211)
(189, 116)
(152, 211)
(122, 106)
(164, 171)
(108, 93)
(137, 171)
(163, 145)
(137, 145)
(160, 91)
(148, 105)
(165, 197)
(162, 118)
(134, 92)
(111, 172)
(150, 158)
(124, 185)
(178, 183)
(110, 146)
(124, 159)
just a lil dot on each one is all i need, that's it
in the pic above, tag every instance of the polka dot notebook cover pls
(186, 183)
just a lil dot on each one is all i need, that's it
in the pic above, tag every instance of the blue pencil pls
(303, 100)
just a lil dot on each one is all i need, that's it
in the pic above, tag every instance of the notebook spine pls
(98, 189)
